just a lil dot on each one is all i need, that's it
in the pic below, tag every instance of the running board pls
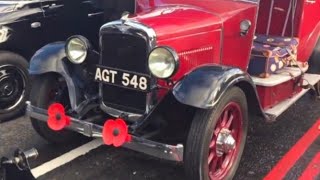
(278, 109)
(280, 77)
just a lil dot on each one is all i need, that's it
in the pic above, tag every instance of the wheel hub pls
(7, 86)
(7, 89)
(12, 87)
(225, 142)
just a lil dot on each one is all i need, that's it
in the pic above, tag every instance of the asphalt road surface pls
(266, 145)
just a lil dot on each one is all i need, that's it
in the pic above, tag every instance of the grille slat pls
(125, 52)
(129, 53)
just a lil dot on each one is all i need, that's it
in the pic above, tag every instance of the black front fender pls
(49, 59)
(52, 58)
(203, 87)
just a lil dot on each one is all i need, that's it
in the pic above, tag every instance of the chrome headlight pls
(163, 62)
(77, 49)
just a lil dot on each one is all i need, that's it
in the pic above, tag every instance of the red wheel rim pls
(231, 119)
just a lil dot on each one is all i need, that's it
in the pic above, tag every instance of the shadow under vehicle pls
(180, 79)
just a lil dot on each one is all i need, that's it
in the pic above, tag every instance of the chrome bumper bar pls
(152, 148)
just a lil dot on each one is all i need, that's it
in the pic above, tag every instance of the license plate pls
(122, 78)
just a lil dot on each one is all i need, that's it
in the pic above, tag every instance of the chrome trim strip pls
(128, 26)
(270, 17)
(95, 14)
(287, 19)
(139, 144)
(250, 1)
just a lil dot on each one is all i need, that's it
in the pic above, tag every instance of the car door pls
(55, 27)
(95, 10)
(65, 18)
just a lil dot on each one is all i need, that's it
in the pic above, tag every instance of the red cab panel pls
(201, 31)
(276, 18)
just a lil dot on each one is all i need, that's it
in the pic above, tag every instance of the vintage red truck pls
(180, 79)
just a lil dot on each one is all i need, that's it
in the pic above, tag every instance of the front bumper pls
(139, 144)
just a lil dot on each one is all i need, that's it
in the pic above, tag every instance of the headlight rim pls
(86, 43)
(175, 58)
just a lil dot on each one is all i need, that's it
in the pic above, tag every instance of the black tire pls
(12, 103)
(201, 132)
(42, 86)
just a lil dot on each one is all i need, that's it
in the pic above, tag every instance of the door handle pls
(35, 24)
(94, 14)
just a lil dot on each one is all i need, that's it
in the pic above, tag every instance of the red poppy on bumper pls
(115, 132)
(57, 118)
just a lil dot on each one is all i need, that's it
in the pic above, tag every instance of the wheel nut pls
(225, 142)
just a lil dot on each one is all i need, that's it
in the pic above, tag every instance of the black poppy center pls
(116, 132)
(58, 116)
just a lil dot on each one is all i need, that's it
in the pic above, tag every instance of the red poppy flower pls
(57, 118)
(115, 132)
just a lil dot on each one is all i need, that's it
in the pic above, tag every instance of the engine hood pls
(174, 21)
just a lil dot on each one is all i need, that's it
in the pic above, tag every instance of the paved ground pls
(267, 143)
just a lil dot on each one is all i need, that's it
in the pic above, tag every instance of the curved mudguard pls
(52, 58)
(203, 87)
(314, 61)
(49, 59)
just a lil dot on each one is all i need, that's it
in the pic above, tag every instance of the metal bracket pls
(139, 144)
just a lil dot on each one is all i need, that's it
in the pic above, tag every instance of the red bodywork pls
(202, 32)
(306, 27)
(306, 24)
(212, 26)
(269, 96)
(208, 32)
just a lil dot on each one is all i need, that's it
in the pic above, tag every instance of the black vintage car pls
(26, 26)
